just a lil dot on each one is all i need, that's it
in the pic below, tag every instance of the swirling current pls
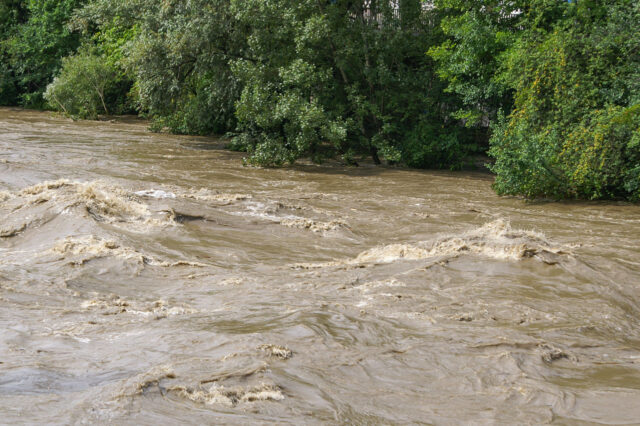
(152, 279)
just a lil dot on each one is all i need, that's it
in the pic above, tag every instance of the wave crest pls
(102, 202)
(496, 240)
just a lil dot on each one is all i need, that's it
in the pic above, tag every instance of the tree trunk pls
(106, 111)
(374, 154)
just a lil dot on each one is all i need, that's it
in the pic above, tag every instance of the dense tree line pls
(549, 88)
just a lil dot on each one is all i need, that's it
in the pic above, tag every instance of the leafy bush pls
(552, 86)
(81, 87)
(601, 157)
(341, 77)
(179, 57)
(33, 45)
(574, 129)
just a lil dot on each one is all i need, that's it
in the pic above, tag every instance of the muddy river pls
(152, 279)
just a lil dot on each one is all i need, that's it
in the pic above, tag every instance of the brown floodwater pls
(152, 279)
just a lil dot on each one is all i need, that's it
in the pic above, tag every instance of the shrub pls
(79, 90)
(574, 129)
(601, 157)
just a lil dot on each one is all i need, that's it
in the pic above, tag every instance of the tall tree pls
(344, 76)
(178, 54)
(574, 130)
(35, 46)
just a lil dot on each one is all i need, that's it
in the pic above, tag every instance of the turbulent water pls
(152, 279)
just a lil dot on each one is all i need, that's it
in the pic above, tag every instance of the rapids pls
(152, 279)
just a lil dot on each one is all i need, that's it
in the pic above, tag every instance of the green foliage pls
(33, 46)
(82, 86)
(178, 54)
(553, 86)
(282, 110)
(601, 157)
(343, 77)
(572, 132)
(478, 33)
(12, 13)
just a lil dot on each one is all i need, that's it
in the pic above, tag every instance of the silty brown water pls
(152, 279)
